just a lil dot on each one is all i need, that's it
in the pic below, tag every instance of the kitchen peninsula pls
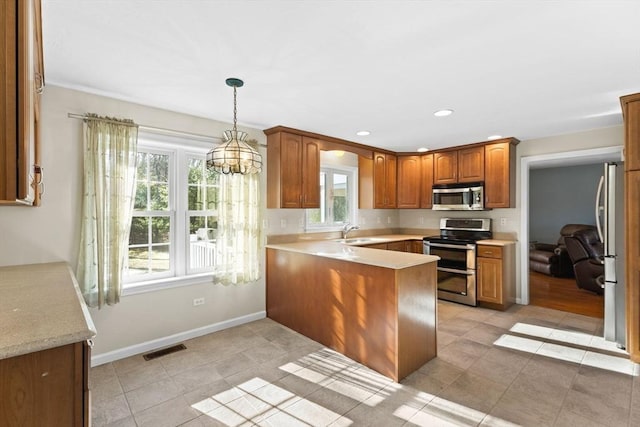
(377, 307)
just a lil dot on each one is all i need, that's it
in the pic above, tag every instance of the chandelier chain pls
(235, 108)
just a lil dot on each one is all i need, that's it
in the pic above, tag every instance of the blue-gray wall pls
(559, 196)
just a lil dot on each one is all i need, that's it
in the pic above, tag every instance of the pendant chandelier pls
(234, 155)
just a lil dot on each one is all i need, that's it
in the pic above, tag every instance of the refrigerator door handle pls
(598, 207)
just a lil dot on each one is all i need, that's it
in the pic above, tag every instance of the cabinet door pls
(310, 173)
(499, 174)
(409, 182)
(400, 246)
(490, 280)
(426, 181)
(379, 178)
(417, 247)
(384, 181)
(445, 167)
(290, 170)
(8, 102)
(391, 181)
(377, 246)
(631, 111)
(471, 164)
(26, 101)
(42, 388)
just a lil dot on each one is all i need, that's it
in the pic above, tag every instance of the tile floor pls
(529, 366)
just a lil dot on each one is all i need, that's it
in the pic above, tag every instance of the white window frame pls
(180, 150)
(352, 172)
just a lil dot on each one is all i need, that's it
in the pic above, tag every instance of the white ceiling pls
(527, 69)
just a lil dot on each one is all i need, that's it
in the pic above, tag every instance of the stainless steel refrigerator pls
(610, 223)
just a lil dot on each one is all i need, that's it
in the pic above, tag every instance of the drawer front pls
(486, 251)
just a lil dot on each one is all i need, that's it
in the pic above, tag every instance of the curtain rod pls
(153, 128)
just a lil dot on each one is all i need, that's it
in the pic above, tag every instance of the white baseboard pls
(121, 353)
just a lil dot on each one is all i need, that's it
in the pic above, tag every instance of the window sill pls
(165, 283)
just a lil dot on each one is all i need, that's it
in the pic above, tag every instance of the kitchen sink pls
(360, 240)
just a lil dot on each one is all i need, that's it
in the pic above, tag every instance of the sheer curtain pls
(239, 230)
(108, 193)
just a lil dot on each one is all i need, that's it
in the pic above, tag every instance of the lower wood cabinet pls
(46, 388)
(496, 282)
(414, 246)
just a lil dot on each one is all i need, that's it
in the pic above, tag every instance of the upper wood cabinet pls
(426, 181)
(471, 164)
(463, 165)
(500, 170)
(377, 181)
(409, 182)
(293, 171)
(445, 167)
(384, 180)
(631, 113)
(22, 74)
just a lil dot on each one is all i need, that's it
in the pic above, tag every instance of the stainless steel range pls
(456, 247)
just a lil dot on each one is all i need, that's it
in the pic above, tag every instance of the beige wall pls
(51, 232)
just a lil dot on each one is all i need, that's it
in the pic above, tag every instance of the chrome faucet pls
(347, 228)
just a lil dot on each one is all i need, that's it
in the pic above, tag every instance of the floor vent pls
(163, 352)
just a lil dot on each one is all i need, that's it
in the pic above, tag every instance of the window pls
(337, 199)
(174, 220)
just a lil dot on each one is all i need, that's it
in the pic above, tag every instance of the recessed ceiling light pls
(492, 137)
(422, 149)
(443, 113)
(363, 133)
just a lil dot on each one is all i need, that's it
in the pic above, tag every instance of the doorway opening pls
(544, 289)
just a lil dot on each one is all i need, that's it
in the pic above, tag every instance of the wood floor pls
(564, 295)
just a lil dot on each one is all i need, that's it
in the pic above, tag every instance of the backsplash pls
(292, 221)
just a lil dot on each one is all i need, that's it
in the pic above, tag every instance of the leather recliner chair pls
(553, 260)
(586, 252)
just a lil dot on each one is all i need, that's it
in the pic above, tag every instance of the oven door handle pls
(453, 270)
(443, 245)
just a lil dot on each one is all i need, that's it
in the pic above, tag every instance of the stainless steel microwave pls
(458, 197)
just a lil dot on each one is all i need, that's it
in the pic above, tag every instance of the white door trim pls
(568, 158)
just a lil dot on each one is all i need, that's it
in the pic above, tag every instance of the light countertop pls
(41, 307)
(362, 255)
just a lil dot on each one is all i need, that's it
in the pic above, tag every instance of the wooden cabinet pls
(417, 246)
(377, 181)
(445, 167)
(414, 246)
(409, 182)
(471, 164)
(293, 171)
(631, 113)
(463, 165)
(496, 275)
(22, 76)
(500, 170)
(401, 246)
(46, 388)
(426, 181)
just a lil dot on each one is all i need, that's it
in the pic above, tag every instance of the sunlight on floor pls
(567, 352)
(258, 401)
(263, 403)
